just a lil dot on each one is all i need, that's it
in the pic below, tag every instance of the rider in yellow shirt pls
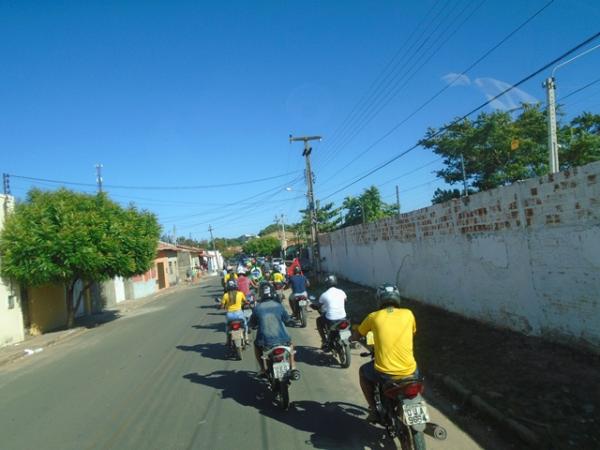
(393, 328)
(232, 302)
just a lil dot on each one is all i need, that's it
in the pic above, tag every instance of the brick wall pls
(525, 256)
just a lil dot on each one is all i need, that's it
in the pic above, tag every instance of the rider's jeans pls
(236, 315)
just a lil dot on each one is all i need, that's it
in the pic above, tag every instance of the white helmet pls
(241, 271)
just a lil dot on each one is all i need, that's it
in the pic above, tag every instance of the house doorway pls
(161, 275)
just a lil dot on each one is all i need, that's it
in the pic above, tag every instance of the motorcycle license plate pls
(303, 303)
(415, 413)
(280, 369)
(345, 334)
(237, 334)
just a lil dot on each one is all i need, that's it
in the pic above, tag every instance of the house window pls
(171, 267)
(11, 302)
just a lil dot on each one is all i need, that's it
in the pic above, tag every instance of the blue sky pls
(175, 94)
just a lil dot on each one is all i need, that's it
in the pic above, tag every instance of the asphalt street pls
(159, 378)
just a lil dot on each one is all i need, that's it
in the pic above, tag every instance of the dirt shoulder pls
(551, 389)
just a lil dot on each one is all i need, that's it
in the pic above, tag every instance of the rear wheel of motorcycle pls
(411, 440)
(302, 316)
(345, 355)
(238, 352)
(284, 398)
(418, 440)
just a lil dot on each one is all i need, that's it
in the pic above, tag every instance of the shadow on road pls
(216, 326)
(315, 357)
(325, 421)
(212, 351)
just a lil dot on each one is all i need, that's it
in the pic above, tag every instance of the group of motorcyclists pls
(261, 291)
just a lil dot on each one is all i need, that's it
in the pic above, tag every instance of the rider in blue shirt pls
(298, 283)
(270, 317)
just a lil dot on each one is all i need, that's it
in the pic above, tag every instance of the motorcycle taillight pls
(343, 325)
(279, 351)
(235, 325)
(413, 389)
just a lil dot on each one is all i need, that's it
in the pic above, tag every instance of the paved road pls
(158, 379)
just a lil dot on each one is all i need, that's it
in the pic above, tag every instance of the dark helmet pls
(297, 270)
(388, 295)
(267, 291)
(231, 285)
(331, 280)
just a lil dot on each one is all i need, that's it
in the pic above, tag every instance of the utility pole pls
(362, 210)
(174, 235)
(550, 86)
(311, 199)
(398, 200)
(6, 183)
(99, 177)
(212, 240)
(464, 175)
(280, 220)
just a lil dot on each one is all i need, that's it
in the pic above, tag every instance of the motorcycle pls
(301, 308)
(339, 341)
(338, 338)
(402, 410)
(237, 339)
(279, 373)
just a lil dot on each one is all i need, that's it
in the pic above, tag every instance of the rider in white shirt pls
(333, 307)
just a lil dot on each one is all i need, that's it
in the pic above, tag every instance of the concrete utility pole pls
(398, 200)
(212, 241)
(174, 235)
(6, 183)
(551, 113)
(464, 174)
(550, 86)
(99, 177)
(280, 220)
(311, 199)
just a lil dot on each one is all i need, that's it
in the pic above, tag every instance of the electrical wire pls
(115, 186)
(446, 87)
(410, 72)
(474, 110)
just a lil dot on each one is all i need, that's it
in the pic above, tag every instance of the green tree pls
(269, 229)
(64, 236)
(499, 149)
(262, 246)
(368, 205)
(328, 219)
(581, 141)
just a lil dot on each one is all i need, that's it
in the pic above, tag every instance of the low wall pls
(525, 256)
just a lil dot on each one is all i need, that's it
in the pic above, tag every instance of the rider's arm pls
(362, 329)
(223, 301)
(284, 315)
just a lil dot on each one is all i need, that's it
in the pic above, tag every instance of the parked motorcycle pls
(402, 410)
(279, 373)
(237, 338)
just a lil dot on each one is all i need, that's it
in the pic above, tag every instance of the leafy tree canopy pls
(499, 149)
(328, 219)
(63, 236)
(368, 205)
(262, 246)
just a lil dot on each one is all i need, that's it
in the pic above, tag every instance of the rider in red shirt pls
(243, 282)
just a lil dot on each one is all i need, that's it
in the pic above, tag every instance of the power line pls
(114, 186)
(410, 72)
(447, 86)
(382, 77)
(474, 110)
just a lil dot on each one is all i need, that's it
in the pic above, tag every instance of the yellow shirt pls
(234, 304)
(229, 276)
(278, 278)
(393, 330)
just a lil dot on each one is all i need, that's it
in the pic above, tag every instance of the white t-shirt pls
(333, 301)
